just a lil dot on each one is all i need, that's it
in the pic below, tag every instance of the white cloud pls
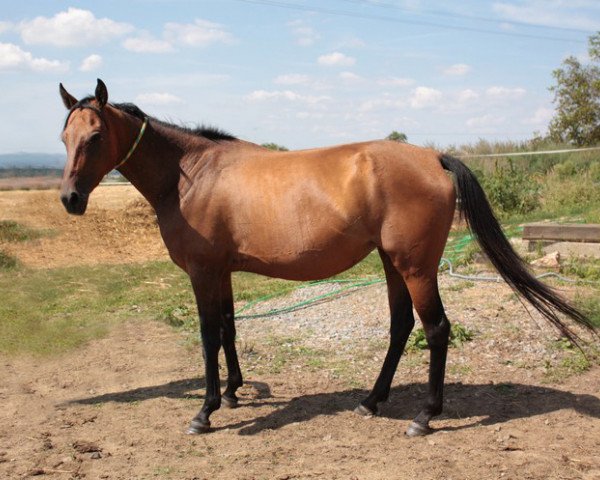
(201, 33)
(457, 70)
(13, 57)
(381, 104)
(467, 95)
(310, 115)
(145, 43)
(349, 77)
(75, 27)
(541, 117)
(304, 34)
(267, 95)
(352, 42)
(395, 82)
(504, 93)
(93, 62)
(158, 98)
(5, 26)
(485, 122)
(336, 59)
(551, 13)
(292, 79)
(422, 97)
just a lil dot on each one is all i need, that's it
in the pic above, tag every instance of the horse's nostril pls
(73, 198)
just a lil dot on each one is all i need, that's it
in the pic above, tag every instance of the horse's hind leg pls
(401, 324)
(234, 374)
(426, 298)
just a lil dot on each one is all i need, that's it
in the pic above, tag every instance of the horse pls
(226, 205)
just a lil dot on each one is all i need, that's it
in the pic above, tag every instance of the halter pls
(135, 144)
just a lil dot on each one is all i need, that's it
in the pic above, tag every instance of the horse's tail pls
(476, 209)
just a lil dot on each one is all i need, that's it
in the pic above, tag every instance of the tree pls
(577, 99)
(397, 137)
(274, 146)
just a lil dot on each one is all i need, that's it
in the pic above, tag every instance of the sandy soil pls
(118, 407)
(118, 227)
(29, 183)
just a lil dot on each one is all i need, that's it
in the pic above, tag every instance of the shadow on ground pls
(491, 404)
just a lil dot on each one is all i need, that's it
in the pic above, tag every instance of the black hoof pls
(417, 430)
(365, 411)
(229, 402)
(196, 428)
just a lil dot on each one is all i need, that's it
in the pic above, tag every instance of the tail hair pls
(486, 229)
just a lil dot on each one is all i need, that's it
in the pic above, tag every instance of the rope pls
(352, 285)
(521, 154)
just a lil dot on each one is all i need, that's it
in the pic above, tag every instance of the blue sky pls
(301, 73)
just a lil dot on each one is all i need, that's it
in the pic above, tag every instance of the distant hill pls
(23, 160)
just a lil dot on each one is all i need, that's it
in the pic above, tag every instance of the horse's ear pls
(101, 94)
(68, 99)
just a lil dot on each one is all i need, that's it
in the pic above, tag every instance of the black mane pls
(211, 133)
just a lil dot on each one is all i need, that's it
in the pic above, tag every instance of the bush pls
(566, 169)
(590, 305)
(8, 261)
(572, 196)
(11, 231)
(511, 190)
(459, 335)
(594, 171)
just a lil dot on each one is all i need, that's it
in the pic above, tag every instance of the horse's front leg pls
(234, 374)
(206, 287)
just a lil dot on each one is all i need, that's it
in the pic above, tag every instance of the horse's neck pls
(154, 168)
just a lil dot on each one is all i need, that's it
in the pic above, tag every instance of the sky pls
(300, 73)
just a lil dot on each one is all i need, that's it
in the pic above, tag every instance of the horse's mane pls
(209, 132)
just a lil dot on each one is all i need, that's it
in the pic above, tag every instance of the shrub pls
(594, 171)
(511, 190)
(571, 196)
(458, 336)
(7, 261)
(11, 231)
(566, 169)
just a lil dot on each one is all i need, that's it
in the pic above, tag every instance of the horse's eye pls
(95, 138)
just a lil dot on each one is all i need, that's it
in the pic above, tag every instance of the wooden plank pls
(566, 233)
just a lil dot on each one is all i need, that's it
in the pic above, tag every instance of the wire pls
(521, 154)
(353, 285)
(440, 13)
(344, 13)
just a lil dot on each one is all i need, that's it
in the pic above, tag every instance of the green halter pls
(135, 144)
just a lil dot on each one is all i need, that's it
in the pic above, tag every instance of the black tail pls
(486, 229)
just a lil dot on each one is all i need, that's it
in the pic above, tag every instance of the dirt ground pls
(118, 407)
(118, 227)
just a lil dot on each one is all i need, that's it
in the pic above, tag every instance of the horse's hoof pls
(417, 430)
(196, 428)
(364, 411)
(229, 402)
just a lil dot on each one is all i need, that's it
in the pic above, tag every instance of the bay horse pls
(226, 205)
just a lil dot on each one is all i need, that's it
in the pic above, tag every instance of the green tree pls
(274, 146)
(577, 99)
(397, 137)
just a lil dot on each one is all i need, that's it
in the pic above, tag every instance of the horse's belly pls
(305, 264)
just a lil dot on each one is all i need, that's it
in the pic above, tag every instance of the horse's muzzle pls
(74, 201)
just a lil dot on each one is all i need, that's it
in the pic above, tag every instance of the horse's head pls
(90, 151)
